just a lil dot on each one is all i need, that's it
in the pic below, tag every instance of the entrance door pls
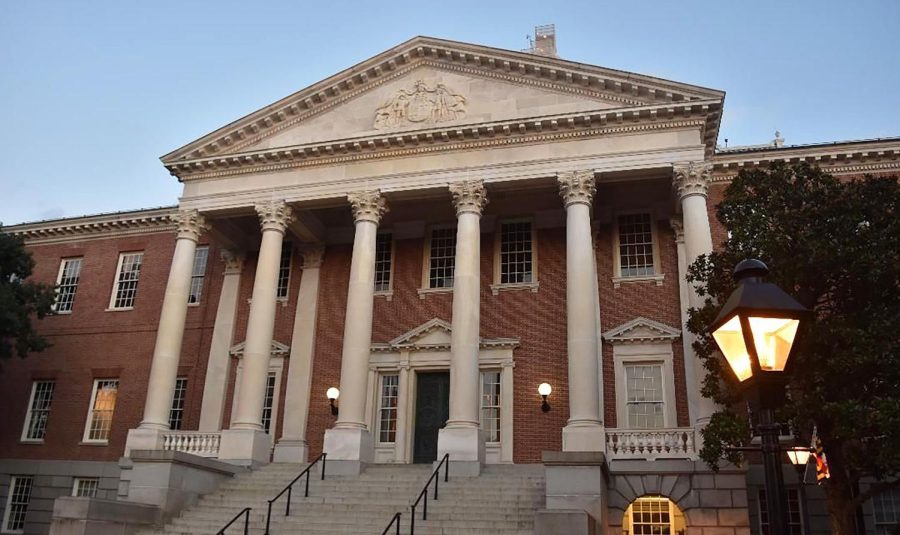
(432, 411)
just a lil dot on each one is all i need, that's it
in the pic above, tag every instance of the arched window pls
(653, 515)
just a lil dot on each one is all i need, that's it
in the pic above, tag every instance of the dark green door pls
(432, 411)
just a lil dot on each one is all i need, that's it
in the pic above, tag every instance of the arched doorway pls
(653, 514)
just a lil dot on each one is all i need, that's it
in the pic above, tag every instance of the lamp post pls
(799, 458)
(755, 331)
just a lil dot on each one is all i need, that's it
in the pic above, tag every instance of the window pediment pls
(435, 335)
(278, 350)
(641, 331)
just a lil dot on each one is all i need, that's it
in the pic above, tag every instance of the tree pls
(835, 246)
(20, 300)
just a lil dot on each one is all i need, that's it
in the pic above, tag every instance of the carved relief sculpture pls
(421, 105)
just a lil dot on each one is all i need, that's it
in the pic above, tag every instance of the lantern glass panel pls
(773, 338)
(730, 339)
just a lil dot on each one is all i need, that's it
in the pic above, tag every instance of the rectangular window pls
(383, 263)
(636, 245)
(284, 271)
(387, 415)
(490, 406)
(85, 487)
(67, 284)
(442, 258)
(645, 405)
(176, 413)
(38, 410)
(651, 515)
(795, 523)
(128, 272)
(887, 512)
(516, 253)
(103, 405)
(269, 402)
(198, 273)
(17, 504)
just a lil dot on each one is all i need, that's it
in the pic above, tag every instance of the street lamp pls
(544, 390)
(332, 394)
(799, 457)
(755, 331)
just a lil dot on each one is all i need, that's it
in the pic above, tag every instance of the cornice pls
(100, 226)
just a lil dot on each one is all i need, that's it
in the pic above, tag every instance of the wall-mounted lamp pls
(332, 394)
(544, 390)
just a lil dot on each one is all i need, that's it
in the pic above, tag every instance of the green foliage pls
(20, 300)
(835, 246)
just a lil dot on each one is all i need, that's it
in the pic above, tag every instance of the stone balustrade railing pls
(651, 444)
(200, 443)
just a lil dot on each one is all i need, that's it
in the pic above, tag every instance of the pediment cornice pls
(628, 89)
(97, 226)
(415, 339)
(641, 331)
(277, 349)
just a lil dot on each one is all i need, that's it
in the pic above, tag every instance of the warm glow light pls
(730, 339)
(333, 393)
(773, 338)
(799, 455)
(544, 389)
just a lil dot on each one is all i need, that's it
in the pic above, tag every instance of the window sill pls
(387, 294)
(62, 312)
(94, 443)
(425, 291)
(509, 287)
(283, 301)
(658, 279)
(120, 309)
(31, 441)
(194, 305)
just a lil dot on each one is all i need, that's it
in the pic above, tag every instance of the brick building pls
(436, 232)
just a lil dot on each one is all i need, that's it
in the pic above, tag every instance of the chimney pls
(544, 43)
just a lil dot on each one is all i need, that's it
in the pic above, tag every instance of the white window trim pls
(9, 497)
(59, 274)
(658, 276)
(648, 353)
(283, 300)
(378, 407)
(389, 293)
(533, 286)
(481, 372)
(76, 480)
(28, 413)
(276, 364)
(203, 284)
(116, 281)
(425, 288)
(90, 412)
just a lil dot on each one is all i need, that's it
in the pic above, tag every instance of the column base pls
(349, 450)
(143, 439)
(466, 448)
(291, 451)
(245, 447)
(584, 437)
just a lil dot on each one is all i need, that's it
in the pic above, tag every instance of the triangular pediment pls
(426, 82)
(278, 349)
(641, 330)
(435, 335)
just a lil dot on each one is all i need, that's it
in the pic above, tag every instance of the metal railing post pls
(287, 506)
(247, 521)
(412, 521)
(306, 492)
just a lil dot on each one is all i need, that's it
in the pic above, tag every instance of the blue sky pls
(92, 93)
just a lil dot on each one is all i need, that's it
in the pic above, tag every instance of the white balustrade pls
(200, 443)
(651, 444)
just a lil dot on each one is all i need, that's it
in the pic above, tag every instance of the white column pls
(584, 430)
(462, 437)
(403, 390)
(349, 442)
(219, 363)
(292, 446)
(246, 442)
(691, 183)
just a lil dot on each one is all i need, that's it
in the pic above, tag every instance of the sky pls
(92, 93)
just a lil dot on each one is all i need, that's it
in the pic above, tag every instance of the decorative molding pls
(274, 215)
(190, 224)
(410, 340)
(100, 226)
(656, 279)
(234, 261)
(678, 229)
(367, 206)
(577, 187)
(691, 178)
(469, 196)
(313, 255)
(278, 350)
(641, 331)
(421, 105)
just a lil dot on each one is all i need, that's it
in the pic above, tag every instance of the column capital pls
(469, 196)
(577, 186)
(367, 206)
(274, 215)
(234, 261)
(691, 178)
(678, 228)
(312, 255)
(190, 224)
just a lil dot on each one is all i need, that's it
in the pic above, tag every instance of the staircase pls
(502, 501)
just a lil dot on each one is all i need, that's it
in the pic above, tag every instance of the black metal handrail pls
(445, 461)
(246, 514)
(290, 489)
(395, 520)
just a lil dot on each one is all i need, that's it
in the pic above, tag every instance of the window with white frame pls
(17, 504)
(198, 273)
(387, 411)
(127, 275)
(887, 512)
(651, 515)
(176, 413)
(269, 402)
(67, 284)
(490, 405)
(636, 245)
(442, 257)
(85, 487)
(284, 271)
(383, 260)
(100, 415)
(516, 252)
(38, 410)
(795, 522)
(645, 403)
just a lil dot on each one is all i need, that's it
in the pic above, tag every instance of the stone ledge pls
(76, 516)
(180, 457)
(573, 458)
